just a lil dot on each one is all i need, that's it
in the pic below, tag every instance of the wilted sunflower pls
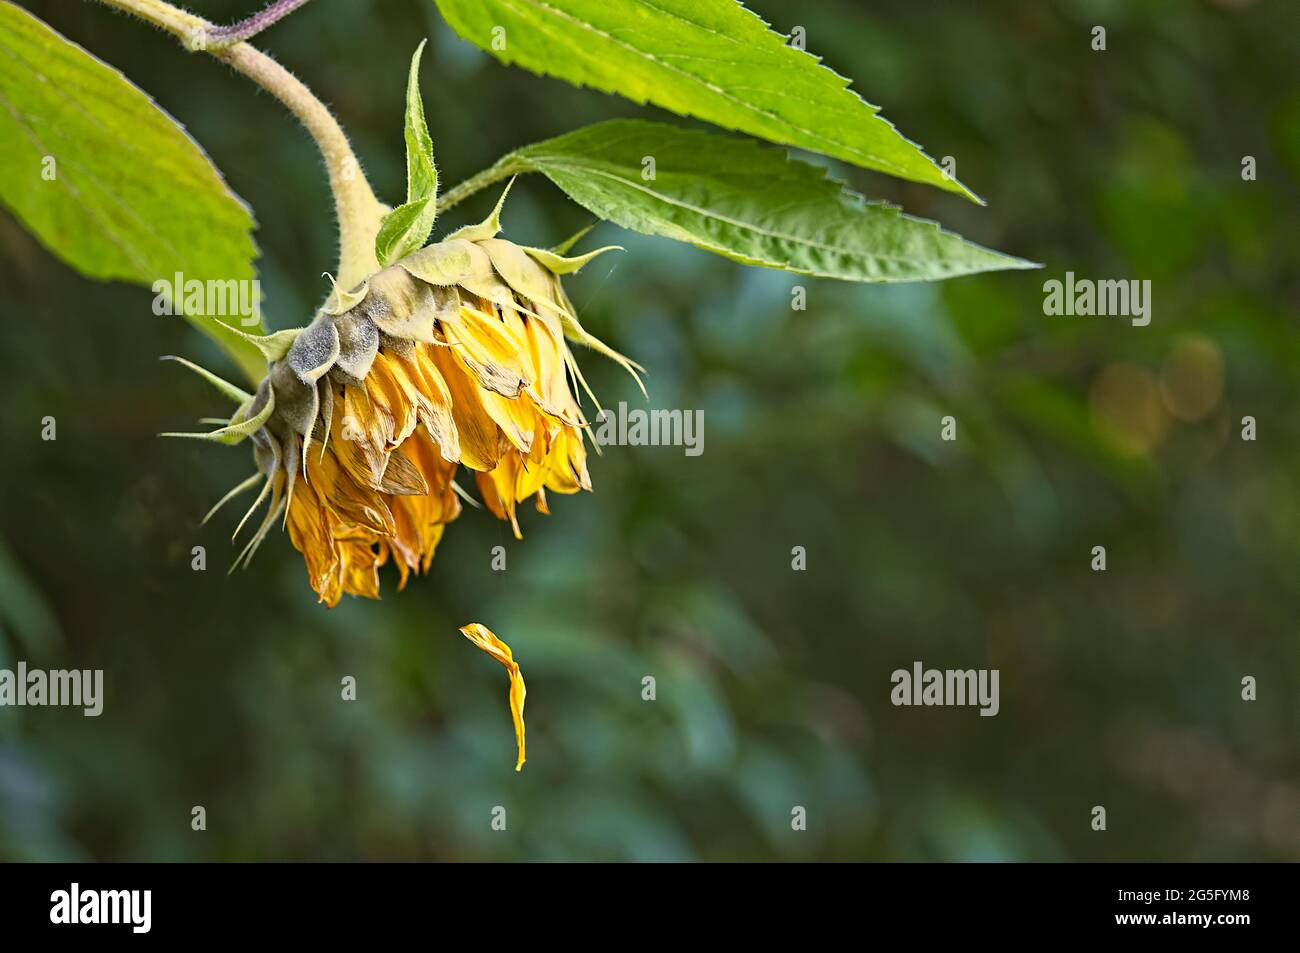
(457, 355)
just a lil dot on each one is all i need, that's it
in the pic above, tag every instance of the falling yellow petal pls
(483, 637)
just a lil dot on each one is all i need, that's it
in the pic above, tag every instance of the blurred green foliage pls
(1119, 688)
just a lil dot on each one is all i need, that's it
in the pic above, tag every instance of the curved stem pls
(185, 26)
(359, 212)
(223, 36)
(505, 167)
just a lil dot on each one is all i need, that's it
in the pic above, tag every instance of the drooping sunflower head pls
(457, 355)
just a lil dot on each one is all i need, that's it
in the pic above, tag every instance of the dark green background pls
(1119, 688)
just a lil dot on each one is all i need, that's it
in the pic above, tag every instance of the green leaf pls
(749, 202)
(406, 228)
(109, 182)
(711, 59)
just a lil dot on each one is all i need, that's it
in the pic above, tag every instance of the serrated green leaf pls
(406, 228)
(711, 59)
(109, 182)
(749, 202)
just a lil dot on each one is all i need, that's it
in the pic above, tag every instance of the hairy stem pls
(505, 167)
(223, 36)
(186, 26)
(359, 212)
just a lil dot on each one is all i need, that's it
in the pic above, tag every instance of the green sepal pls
(273, 346)
(563, 247)
(341, 300)
(489, 227)
(234, 492)
(237, 394)
(239, 429)
(560, 265)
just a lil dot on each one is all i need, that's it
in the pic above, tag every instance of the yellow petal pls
(391, 390)
(481, 441)
(309, 531)
(434, 410)
(550, 386)
(497, 487)
(489, 349)
(482, 636)
(364, 429)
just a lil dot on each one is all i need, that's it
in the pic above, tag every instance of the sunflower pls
(456, 356)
